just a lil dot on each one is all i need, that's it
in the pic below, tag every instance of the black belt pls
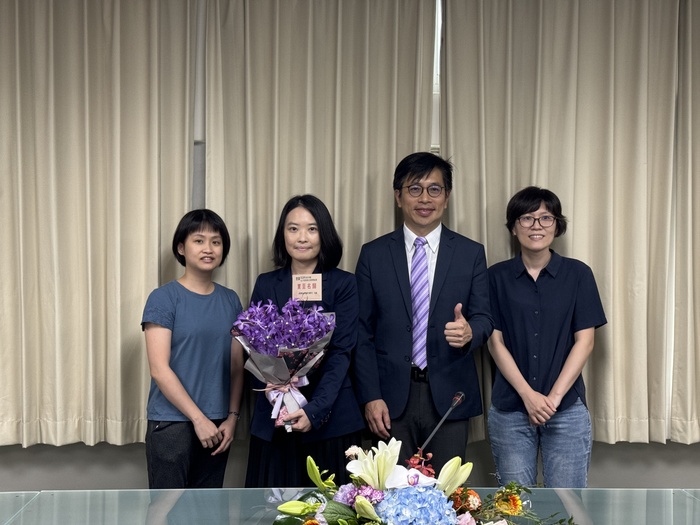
(419, 375)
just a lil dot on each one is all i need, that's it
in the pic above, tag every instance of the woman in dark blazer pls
(307, 243)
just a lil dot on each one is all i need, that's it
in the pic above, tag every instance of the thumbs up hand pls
(458, 332)
(458, 313)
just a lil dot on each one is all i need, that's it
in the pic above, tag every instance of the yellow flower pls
(453, 474)
(510, 504)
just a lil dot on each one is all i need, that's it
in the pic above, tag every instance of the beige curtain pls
(581, 97)
(685, 396)
(591, 99)
(94, 172)
(317, 97)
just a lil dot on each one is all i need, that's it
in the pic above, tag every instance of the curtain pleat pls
(685, 377)
(87, 133)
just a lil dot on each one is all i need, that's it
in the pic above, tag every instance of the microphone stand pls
(456, 400)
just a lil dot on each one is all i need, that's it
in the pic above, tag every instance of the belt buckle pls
(419, 375)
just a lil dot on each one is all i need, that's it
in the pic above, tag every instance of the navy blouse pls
(538, 320)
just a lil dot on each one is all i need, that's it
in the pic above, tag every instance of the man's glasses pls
(528, 221)
(416, 190)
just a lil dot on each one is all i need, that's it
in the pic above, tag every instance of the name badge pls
(307, 287)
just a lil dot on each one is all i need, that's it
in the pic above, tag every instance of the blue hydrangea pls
(416, 506)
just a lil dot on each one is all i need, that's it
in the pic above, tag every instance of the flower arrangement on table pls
(383, 492)
(282, 348)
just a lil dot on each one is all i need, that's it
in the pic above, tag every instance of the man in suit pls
(405, 390)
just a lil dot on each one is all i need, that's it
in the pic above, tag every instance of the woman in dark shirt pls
(546, 308)
(307, 243)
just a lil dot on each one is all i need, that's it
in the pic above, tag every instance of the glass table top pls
(258, 506)
(12, 503)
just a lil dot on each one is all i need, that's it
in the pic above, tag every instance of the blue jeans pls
(564, 442)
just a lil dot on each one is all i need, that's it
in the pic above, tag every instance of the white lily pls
(375, 466)
(401, 477)
(453, 474)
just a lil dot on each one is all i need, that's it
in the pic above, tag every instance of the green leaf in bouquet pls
(339, 514)
(286, 519)
(314, 496)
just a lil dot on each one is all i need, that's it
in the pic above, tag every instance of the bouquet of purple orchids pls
(283, 347)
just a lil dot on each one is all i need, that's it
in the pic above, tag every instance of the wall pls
(103, 466)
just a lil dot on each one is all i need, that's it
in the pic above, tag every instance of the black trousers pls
(418, 421)
(176, 458)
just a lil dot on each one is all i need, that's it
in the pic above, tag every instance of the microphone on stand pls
(456, 401)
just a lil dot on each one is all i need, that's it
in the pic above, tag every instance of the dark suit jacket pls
(383, 357)
(332, 408)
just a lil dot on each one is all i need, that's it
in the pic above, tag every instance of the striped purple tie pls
(420, 298)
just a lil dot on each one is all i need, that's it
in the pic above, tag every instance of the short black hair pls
(198, 221)
(417, 166)
(528, 200)
(331, 250)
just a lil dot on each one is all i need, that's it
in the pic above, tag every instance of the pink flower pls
(465, 519)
